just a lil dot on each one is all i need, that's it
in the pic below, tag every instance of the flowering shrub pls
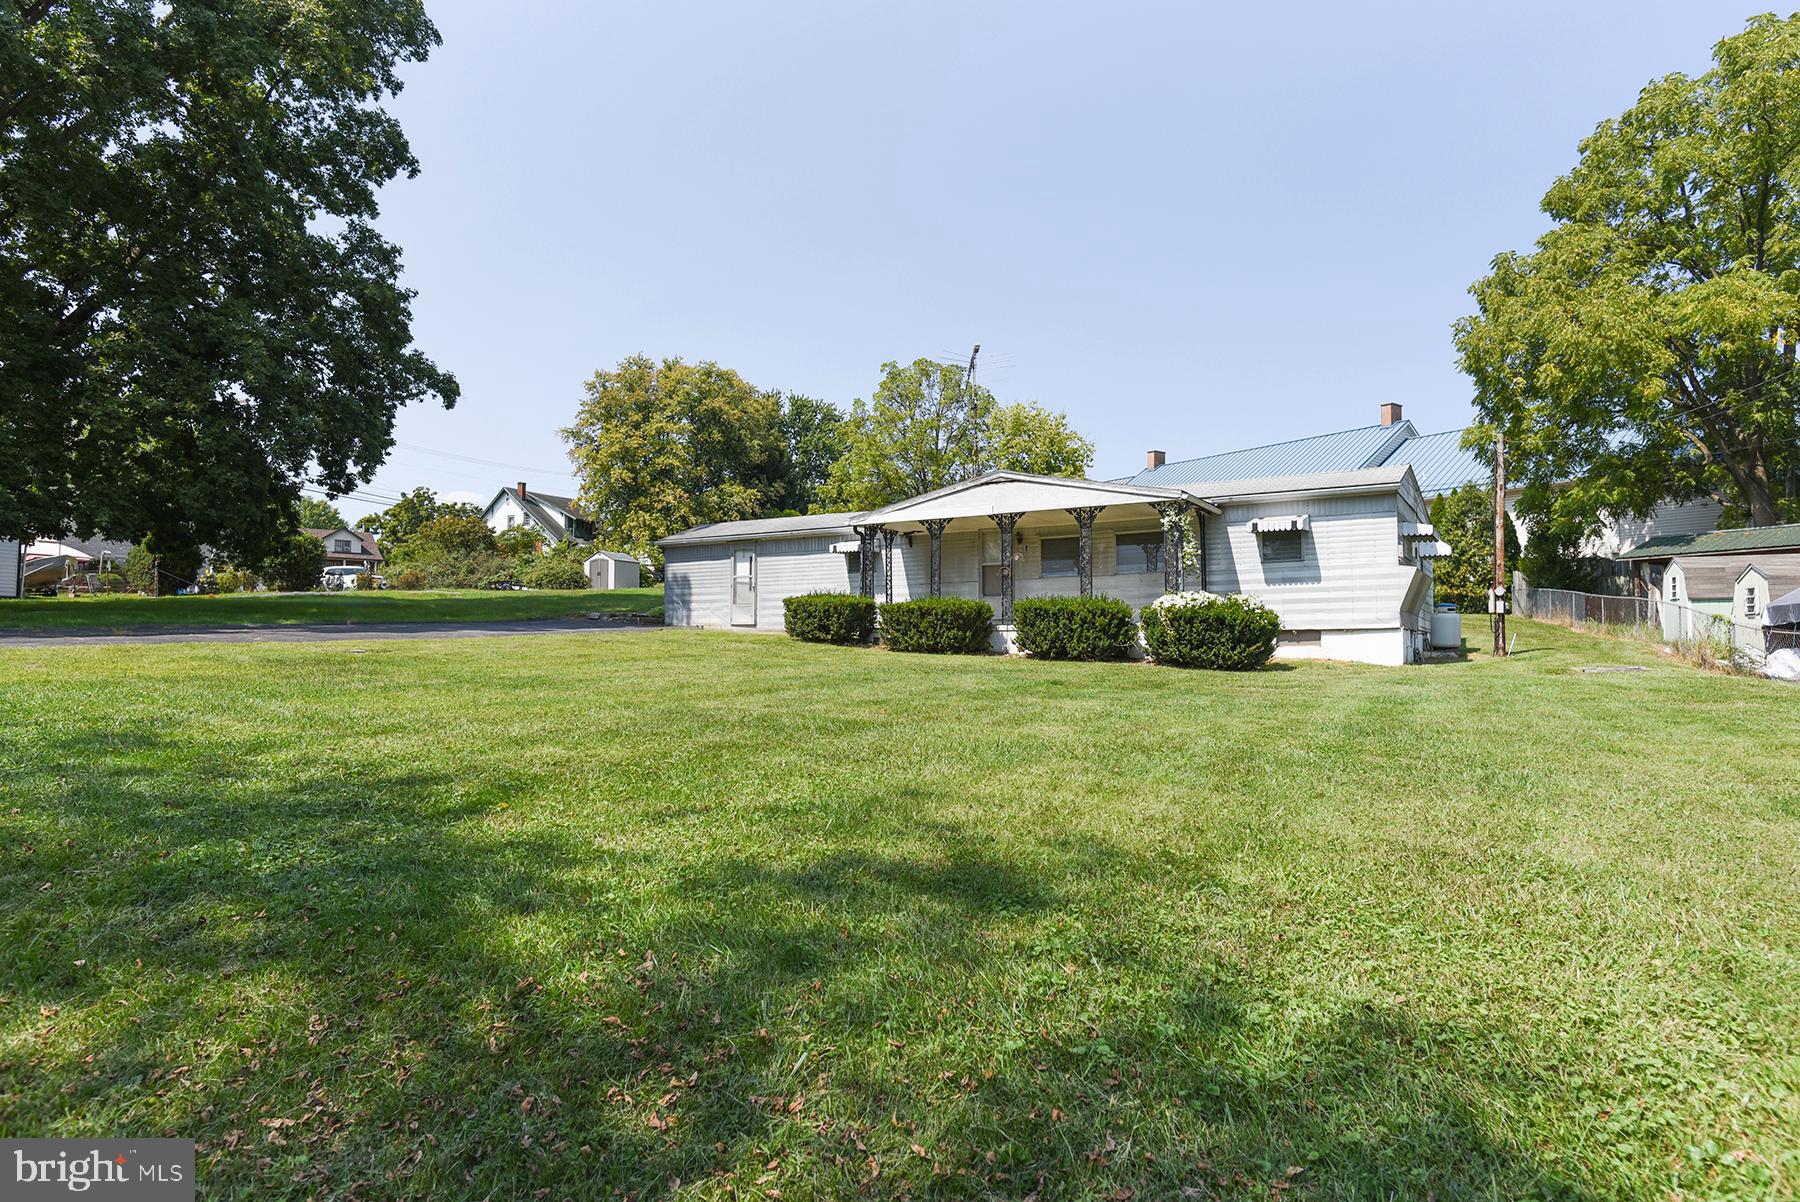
(1075, 627)
(1204, 630)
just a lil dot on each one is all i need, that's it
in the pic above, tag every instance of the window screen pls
(1282, 546)
(1139, 552)
(1057, 556)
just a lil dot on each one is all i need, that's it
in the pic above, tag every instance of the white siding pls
(697, 580)
(1671, 518)
(697, 586)
(9, 568)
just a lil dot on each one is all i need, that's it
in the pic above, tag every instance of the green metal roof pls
(1719, 542)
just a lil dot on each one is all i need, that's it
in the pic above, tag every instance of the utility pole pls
(1498, 598)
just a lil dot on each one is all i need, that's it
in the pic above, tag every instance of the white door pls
(743, 589)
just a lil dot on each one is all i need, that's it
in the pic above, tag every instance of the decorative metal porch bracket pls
(1174, 524)
(865, 536)
(1084, 516)
(935, 528)
(887, 564)
(1006, 522)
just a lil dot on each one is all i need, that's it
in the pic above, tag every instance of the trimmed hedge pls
(937, 625)
(845, 618)
(1194, 630)
(1075, 627)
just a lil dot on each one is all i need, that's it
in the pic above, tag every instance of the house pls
(347, 548)
(1651, 559)
(554, 518)
(611, 569)
(1440, 463)
(1344, 557)
(12, 569)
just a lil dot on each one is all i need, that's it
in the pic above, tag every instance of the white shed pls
(611, 569)
(12, 568)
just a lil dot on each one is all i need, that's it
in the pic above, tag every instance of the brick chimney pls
(1154, 460)
(1390, 415)
(522, 484)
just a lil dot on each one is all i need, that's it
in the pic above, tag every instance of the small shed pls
(12, 568)
(612, 569)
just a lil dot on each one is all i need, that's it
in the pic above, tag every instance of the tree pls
(319, 515)
(396, 524)
(1029, 438)
(155, 569)
(1465, 520)
(1645, 351)
(196, 314)
(813, 433)
(928, 426)
(457, 551)
(660, 447)
(297, 566)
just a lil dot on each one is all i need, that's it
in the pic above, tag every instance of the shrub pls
(939, 625)
(1200, 630)
(411, 579)
(297, 564)
(553, 573)
(829, 618)
(1075, 627)
(234, 580)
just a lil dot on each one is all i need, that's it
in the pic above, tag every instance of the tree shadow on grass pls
(376, 983)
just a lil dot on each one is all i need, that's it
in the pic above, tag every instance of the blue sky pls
(1190, 227)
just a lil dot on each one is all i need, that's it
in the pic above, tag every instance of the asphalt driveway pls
(302, 633)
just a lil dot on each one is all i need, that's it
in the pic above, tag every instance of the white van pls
(341, 576)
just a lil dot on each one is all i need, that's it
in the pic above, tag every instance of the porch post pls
(935, 528)
(865, 536)
(887, 563)
(1084, 546)
(1174, 525)
(1006, 522)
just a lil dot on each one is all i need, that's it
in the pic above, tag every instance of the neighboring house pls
(12, 569)
(1440, 463)
(347, 548)
(1650, 560)
(612, 569)
(1343, 556)
(552, 517)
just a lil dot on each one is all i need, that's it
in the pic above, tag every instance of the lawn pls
(128, 612)
(700, 915)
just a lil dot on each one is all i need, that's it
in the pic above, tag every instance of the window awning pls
(1417, 530)
(1436, 549)
(1291, 521)
(847, 547)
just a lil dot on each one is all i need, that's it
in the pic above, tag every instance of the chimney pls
(1390, 414)
(1154, 460)
(522, 488)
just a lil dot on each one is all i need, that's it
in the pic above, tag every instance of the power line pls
(413, 446)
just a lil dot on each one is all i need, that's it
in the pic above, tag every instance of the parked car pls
(345, 576)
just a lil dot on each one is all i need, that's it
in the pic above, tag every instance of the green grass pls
(590, 915)
(128, 612)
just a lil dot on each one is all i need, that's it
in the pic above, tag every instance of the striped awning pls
(1291, 521)
(847, 547)
(1436, 549)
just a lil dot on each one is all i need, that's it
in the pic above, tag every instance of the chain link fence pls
(1711, 639)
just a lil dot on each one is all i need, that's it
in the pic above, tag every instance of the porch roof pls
(1021, 492)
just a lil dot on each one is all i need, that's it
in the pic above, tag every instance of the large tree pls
(1646, 349)
(196, 314)
(660, 447)
(396, 525)
(813, 431)
(319, 515)
(928, 426)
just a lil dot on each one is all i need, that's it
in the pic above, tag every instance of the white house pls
(12, 569)
(611, 569)
(554, 518)
(1344, 557)
(345, 548)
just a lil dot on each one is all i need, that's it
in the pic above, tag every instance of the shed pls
(12, 568)
(612, 569)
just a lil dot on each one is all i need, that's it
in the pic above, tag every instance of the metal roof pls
(1370, 479)
(1030, 492)
(1347, 450)
(1718, 542)
(718, 532)
(1441, 463)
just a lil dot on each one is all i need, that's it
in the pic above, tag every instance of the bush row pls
(1184, 630)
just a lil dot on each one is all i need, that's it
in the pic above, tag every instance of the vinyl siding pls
(1670, 518)
(9, 568)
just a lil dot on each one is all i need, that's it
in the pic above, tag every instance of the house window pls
(511, 520)
(1056, 556)
(1674, 588)
(1281, 546)
(1750, 602)
(990, 563)
(341, 546)
(1140, 552)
